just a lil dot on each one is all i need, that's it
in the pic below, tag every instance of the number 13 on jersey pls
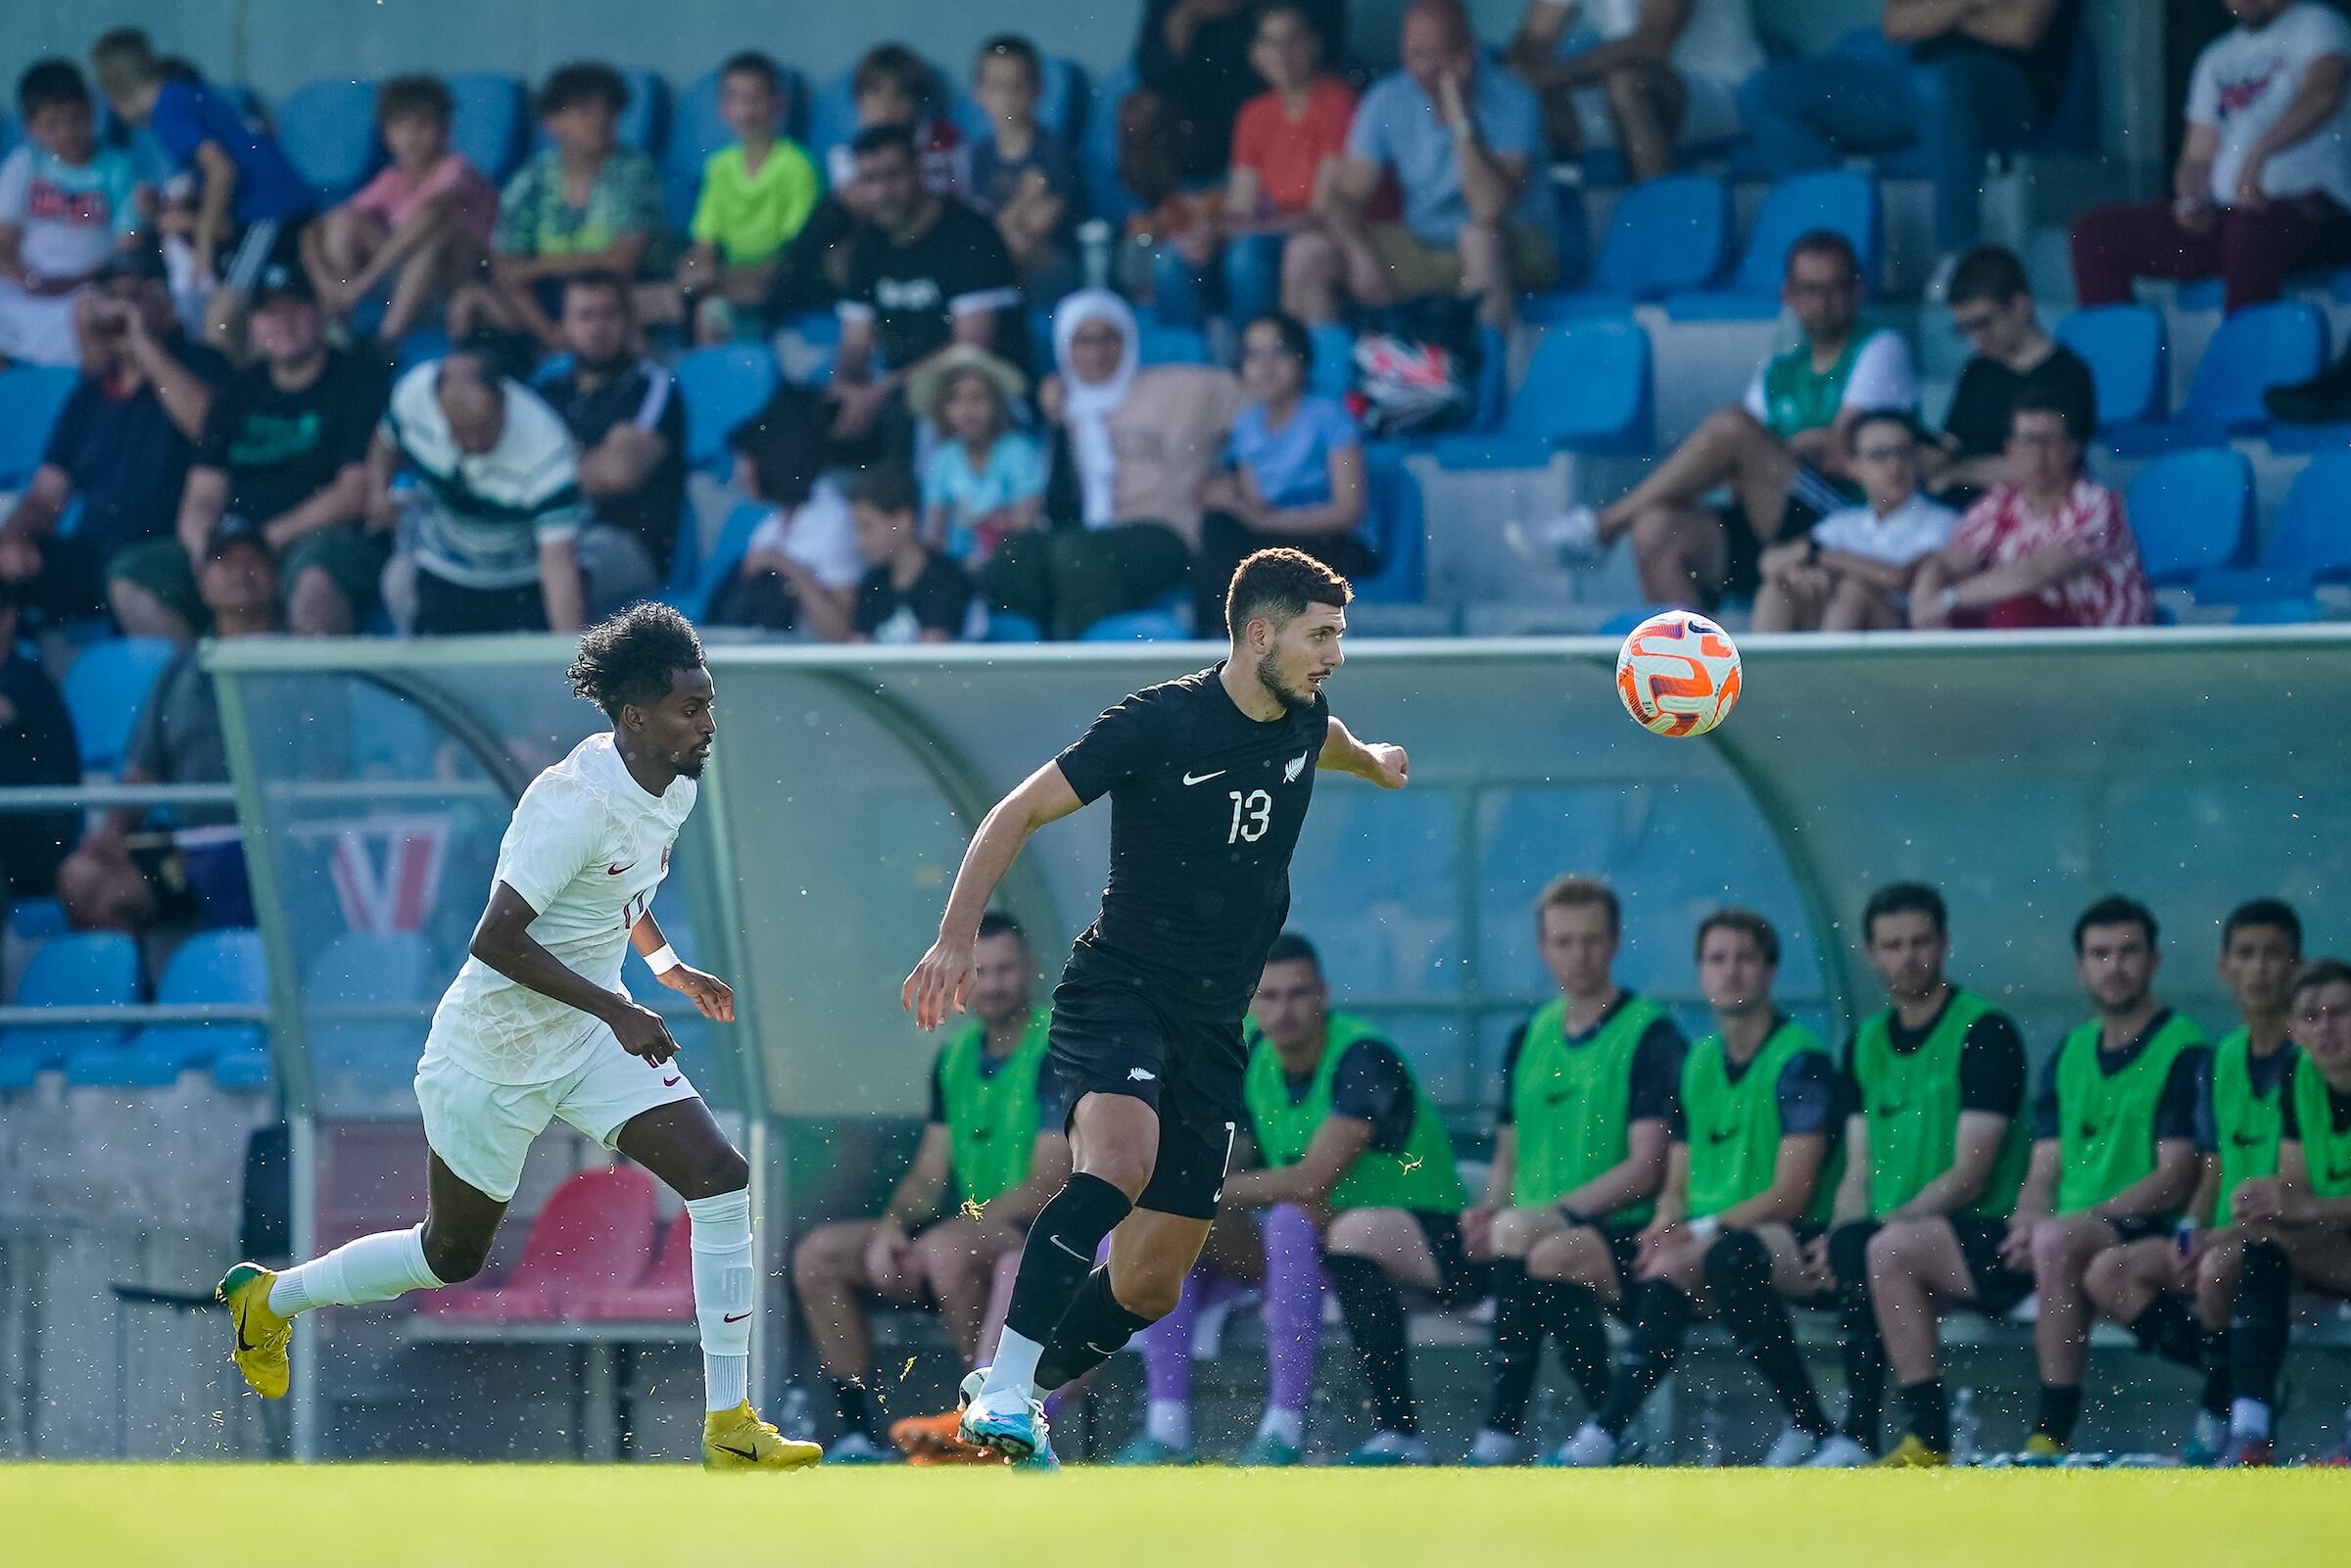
(1252, 815)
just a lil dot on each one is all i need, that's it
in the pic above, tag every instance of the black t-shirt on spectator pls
(2184, 1110)
(1654, 1087)
(1371, 1084)
(281, 448)
(1991, 1062)
(936, 600)
(36, 747)
(2046, 63)
(1210, 82)
(127, 460)
(1984, 404)
(645, 395)
(917, 289)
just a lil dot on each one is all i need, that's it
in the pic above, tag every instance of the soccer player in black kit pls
(1208, 777)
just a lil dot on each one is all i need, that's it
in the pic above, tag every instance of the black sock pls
(2060, 1410)
(1574, 1312)
(856, 1411)
(1094, 1329)
(2259, 1321)
(1858, 1344)
(1518, 1344)
(1739, 1271)
(1062, 1242)
(1928, 1414)
(1374, 1312)
(1660, 1317)
(2167, 1328)
(2214, 1399)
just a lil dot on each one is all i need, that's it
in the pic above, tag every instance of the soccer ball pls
(1678, 674)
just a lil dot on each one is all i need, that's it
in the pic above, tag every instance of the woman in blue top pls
(1294, 472)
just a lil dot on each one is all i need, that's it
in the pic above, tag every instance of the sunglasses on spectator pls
(1975, 325)
(1890, 453)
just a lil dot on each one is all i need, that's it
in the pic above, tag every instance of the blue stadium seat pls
(2308, 544)
(105, 690)
(2278, 612)
(1621, 622)
(2260, 347)
(832, 110)
(2123, 347)
(419, 345)
(1836, 199)
(2192, 513)
(36, 920)
(30, 398)
(328, 129)
(242, 1071)
(1098, 149)
(1396, 526)
(1665, 236)
(723, 386)
(488, 125)
(696, 132)
(1333, 369)
(120, 1067)
(1061, 102)
(1253, 276)
(1003, 626)
(212, 966)
(89, 968)
(734, 538)
(1168, 621)
(1161, 344)
(1587, 389)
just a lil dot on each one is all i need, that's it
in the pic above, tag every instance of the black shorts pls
(450, 609)
(259, 246)
(1742, 551)
(2141, 1227)
(1112, 1036)
(1999, 1287)
(1459, 1282)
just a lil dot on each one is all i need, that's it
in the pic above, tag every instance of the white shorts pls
(482, 1130)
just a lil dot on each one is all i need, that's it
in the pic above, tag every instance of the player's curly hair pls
(632, 657)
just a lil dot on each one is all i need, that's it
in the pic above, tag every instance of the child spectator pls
(756, 196)
(249, 202)
(1022, 173)
(428, 215)
(584, 205)
(910, 592)
(984, 479)
(892, 87)
(800, 566)
(66, 208)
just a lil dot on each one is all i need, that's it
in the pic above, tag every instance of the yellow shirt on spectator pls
(751, 216)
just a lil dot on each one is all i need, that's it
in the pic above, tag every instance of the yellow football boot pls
(2040, 1445)
(261, 1335)
(1912, 1454)
(738, 1439)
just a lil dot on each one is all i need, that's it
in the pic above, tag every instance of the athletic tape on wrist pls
(1704, 1225)
(661, 960)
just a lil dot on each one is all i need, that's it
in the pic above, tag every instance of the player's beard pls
(1270, 679)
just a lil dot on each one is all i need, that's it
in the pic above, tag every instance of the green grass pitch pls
(128, 1516)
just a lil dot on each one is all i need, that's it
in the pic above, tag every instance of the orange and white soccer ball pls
(1678, 674)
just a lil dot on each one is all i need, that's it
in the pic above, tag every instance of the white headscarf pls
(1086, 406)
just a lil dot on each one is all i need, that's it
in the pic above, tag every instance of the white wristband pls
(661, 960)
(1702, 1225)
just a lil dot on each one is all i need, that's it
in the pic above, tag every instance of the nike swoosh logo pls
(1193, 778)
(614, 871)
(671, 1083)
(243, 1344)
(739, 1453)
(1067, 1248)
(735, 1317)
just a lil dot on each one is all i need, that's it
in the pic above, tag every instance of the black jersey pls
(1205, 808)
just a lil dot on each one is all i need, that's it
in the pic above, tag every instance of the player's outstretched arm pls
(939, 981)
(1384, 765)
(711, 996)
(503, 942)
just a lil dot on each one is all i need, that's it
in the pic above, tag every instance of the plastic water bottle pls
(1711, 1449)
(1965, 1426)
(1094, 252)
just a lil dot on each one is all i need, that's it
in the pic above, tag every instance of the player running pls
(1208, 777)
(538, 1025)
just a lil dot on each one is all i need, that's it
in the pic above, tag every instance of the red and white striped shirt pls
(2111, 589)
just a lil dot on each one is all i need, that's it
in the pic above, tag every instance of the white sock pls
(2248, 1418)
(373, 1269)
(722, 1295)
(1170, 1421)
(1013, 1370)
(1494, 1447)
(1283, 1426)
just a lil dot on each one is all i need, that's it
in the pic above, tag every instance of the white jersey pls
(588, 848)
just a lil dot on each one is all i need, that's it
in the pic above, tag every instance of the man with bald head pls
(1464, 141)
(492, 533)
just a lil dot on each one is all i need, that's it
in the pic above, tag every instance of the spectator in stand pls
(1132, 447)
(986, 478)
(910, 592)
(424, 221)
(1785, 450)
(1295, 474)
(892, 86)
(2050, 547)
(756, 196)
(924, 273)
(1640, 76)
(624, 411)
(1465, 140)
(2015, 358)
(1983, 75)
(1022, 175)
(192, 871)
(584, 205)
(802, 564)
(1287, 138)
(252, 202)
(67, 209)
(120, 447)
(492, 535)
(2263, 187)
(285, 447)
(36, 747)
(1852, 572)
(1193, 59)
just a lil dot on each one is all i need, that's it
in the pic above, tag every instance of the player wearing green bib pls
(1746, 1180)
(1934, 1088)
(2301, 1216)
(994, 1141)
(2173, 1294)
(1591, 1085)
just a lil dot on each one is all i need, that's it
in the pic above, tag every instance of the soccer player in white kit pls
(538, 1025)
